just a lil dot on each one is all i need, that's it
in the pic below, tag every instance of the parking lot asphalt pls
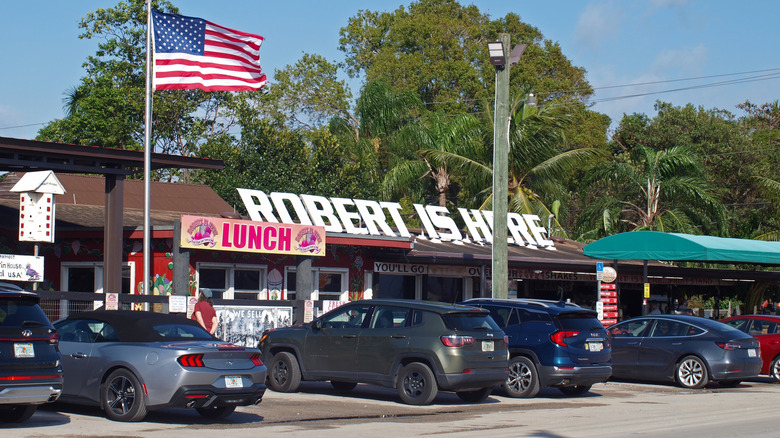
(610, 409)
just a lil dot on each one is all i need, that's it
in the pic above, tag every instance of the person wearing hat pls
(204, 311)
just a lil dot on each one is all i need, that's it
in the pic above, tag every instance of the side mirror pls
(316, 324)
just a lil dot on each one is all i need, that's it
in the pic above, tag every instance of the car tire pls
(342, 386)
(16, 413)
(574, 390)
(475, 396)
(284, 373)
(416, 384)
(692, 373)
(523, 379)
(216, 411)
(774, 368)
(122, 397)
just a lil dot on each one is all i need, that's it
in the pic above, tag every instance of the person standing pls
(204, 311)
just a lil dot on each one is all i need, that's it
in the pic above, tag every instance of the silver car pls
(130, 362)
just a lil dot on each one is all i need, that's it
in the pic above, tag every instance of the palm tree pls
(380, 112)
(652, 190)
(424, 154)
(771, 190)
(538, 164)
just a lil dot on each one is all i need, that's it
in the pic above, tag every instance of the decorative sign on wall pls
(222, 234)
(36, 205)
(21, 268)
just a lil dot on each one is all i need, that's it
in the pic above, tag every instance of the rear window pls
(181, 331)
(470, 321)
(579, 321)
(15, 311)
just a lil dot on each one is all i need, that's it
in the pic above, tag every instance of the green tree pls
(762, 125)
(380, 113)
(649, 189)
(303, 96)
(267, 158)
(107, 107)
(423, 152)
(438, 49)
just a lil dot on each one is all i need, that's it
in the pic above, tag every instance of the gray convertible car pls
(131, 362)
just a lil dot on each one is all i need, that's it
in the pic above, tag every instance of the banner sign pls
(220, 234)
(244, 325)
(21, 268)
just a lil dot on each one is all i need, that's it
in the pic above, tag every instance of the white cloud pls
(598, 22)
(685, 62)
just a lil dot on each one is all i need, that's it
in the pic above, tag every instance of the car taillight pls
(728, 345)
(54, 338)
(191, 360)
(456, 340)
(560, 336)
(256, 360)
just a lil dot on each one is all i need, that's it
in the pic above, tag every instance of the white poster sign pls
(21, 268)
(244, 325)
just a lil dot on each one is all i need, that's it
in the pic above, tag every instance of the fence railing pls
(57, 305)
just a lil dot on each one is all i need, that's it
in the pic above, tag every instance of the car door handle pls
(398, 336)
(633, 343)
(78, 355)
(349, 336)
(676, 343)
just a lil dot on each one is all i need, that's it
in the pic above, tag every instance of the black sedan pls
(685, 349)
(130, 362)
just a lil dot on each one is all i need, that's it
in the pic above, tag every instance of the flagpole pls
(147, 142)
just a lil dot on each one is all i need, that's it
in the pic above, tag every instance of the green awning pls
(655, 245)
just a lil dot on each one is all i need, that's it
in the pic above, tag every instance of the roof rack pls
(535, 301)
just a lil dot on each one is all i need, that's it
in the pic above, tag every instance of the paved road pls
(614, 409)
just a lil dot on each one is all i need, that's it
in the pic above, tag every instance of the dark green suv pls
(416, 347)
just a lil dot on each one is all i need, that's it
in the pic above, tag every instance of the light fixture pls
(531, 100)
(496, 52)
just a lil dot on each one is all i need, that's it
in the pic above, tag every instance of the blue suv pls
(551, 344)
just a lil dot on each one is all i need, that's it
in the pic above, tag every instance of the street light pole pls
(500, 269)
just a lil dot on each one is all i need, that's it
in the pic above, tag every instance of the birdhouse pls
(36, 205)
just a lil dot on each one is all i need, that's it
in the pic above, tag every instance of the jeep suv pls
(551, 343)
(30, 369)
(416, 347)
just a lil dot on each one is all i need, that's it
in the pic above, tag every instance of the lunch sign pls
(222, 234)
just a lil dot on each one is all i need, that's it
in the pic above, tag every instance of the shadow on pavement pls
(162, 416)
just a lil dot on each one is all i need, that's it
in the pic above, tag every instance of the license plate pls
(488, 346)
(751, 352)
(233, 382)
(594, 346)
(23, 349)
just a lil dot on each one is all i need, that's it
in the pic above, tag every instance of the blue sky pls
(635, 52)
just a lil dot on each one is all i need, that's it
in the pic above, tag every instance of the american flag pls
(194, 53)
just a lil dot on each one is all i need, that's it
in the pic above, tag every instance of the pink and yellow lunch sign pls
(220, 234)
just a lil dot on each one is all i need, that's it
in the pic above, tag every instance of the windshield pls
(19, 310)
(182, 331)
(579, 321)
(470, 321)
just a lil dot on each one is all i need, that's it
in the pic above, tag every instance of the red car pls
(765, 328)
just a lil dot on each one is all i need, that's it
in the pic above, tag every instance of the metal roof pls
(27, 155)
